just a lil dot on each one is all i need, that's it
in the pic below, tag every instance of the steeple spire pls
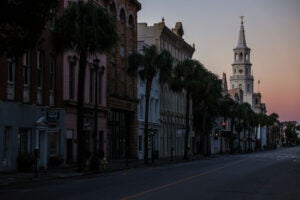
(242, 39)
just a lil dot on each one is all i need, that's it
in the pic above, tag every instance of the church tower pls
(241, 67)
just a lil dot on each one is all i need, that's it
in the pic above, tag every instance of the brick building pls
(31, 114)
(121, 89)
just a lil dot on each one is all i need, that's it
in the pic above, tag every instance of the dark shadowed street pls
(263, 175)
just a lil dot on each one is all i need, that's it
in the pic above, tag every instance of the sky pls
(272, 29)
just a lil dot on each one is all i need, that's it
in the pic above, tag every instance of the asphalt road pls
(270, 175)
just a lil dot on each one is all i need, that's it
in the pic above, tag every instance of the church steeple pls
(242, 39)
(241, 67)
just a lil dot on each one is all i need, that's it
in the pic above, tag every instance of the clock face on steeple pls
(241, 71)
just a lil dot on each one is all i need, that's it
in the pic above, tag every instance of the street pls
(266, 175)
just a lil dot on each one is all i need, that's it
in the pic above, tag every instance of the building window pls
(40, 68)
(256, 101)
(140, 146)
(26, 76)
(53, 144)
(248, 88)
(142, 103)
(52, 72)
(240, 57)
(26, 68)
(11, 69)
(52, 17)
(71, 79)
(92, 84)
(40, 74)
(52, 79)
(24, 140)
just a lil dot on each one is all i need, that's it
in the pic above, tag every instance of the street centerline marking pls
(179, 181)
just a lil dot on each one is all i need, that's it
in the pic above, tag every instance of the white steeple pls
(242, 39)
(241, 67)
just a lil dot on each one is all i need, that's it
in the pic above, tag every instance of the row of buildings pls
(38, 96)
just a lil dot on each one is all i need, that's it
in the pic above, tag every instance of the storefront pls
(24, 128)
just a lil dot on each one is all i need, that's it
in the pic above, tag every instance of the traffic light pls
(224, 124)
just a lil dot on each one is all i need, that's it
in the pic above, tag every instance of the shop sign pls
(52, 115)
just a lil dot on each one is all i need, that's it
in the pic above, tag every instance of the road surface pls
(270, 175)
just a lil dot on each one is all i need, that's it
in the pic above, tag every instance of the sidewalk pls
(19, 178)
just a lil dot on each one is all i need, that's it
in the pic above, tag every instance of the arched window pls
(241, 57)
(235, 57)
(112, 10)
(248, 88)
(246, 57)
(131, 34)
(123, 26)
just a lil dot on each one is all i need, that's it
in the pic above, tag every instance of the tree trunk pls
(205, 142)
(231, 135)
(148, 90)
(187, 126)
(81, 137)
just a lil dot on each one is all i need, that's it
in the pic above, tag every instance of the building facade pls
(170, 137)
(95, 101)
(32, 117)
(154, 113)
(121, 89)
(110, 99)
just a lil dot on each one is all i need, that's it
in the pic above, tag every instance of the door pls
(43, 149)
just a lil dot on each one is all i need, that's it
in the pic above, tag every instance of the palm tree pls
(186, 78)
(22, 22)
(241, 114)
(147, 65)
(271, 120)
(252, 123)
(86, 29)
(205, 110)
(228, 109)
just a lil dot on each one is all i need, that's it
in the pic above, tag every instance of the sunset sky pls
(272, 32)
